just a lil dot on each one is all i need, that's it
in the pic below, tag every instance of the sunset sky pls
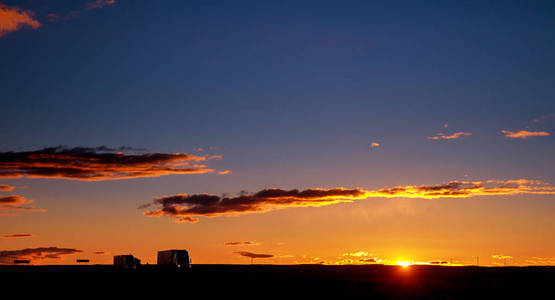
(288, 131)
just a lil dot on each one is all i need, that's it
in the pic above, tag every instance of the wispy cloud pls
(187, 208)
(5, 188)
(100, 163)
(7, 256)
(544, 118)
(13, 18)
(247, 243)
(100, 4)
(501, 256)
(456, 135)
(523, 134)
(14, 203)
(254, 255)
(17, 235)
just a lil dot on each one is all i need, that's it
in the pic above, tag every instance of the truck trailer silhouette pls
(174, 258)
(126, 261)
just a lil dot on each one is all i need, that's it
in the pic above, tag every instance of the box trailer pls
(127, 261)
(174, 258)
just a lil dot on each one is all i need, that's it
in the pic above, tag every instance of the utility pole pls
(477, 260)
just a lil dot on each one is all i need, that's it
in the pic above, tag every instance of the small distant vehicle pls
(174, 258)
(127, 261)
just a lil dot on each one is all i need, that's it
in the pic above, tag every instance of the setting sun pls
(404, 264)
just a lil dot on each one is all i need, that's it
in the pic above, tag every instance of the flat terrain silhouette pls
(255, 281)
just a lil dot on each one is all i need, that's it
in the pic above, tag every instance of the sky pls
(288, 131)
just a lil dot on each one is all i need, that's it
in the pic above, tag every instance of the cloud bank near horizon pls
(184, 208)
(8, 256)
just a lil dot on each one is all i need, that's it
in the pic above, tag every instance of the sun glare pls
(403, 264)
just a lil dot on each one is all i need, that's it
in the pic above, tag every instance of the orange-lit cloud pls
(254, 255)
(94, 164)
(17, 235)
(501, 256)
(455, 135)
(374, 144)
(12, 203)
(5, 188)
(100, 4)
(523, 134)
(247, 243)
(14, 18)
(225, 172)
(184, 208)
(355, 258)
(187, 206)
(7, 256)
(540, 261)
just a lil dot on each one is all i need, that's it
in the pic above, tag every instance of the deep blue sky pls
(291, 94)
(288, 87)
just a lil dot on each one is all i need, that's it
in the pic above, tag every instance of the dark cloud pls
(5, 188)
(186, 208)
(17, 235)
(16, 203)
(254, 255)
(98, 252)
(247, 243)
(100, 163)
(183, 207)
(7, 256)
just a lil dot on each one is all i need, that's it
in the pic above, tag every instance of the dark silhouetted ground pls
(260, 281)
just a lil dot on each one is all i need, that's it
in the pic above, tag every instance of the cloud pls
(7, 256)
(14, 18)
(254, 255)
(100, 4)
(17, 235)
(544, 118)
(501, 256)
(16, 203)
(58, 18)
(98, 252)
(374, 144)
(95, 164)
(523, 134)
(455, 135)
(248, 243)
(540, 261)
(5, 188)
(183, 207)
(225, 172)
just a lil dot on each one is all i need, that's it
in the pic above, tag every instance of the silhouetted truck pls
(174, 258)
(126, 261)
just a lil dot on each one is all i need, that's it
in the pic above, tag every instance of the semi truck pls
(174, 258)
(127, 261)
